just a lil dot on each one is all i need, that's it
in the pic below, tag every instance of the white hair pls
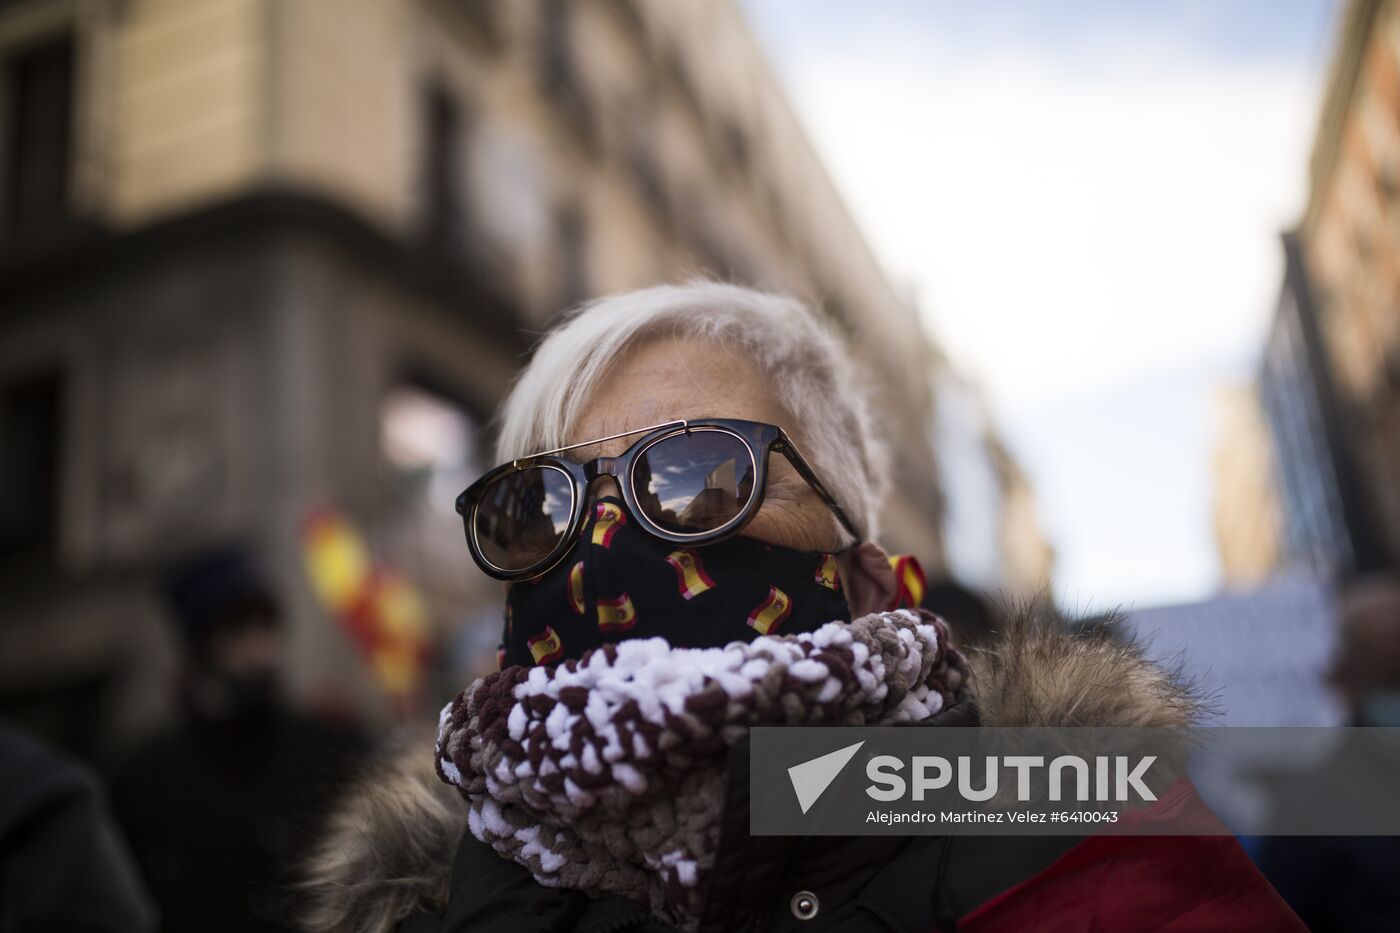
(807, 366)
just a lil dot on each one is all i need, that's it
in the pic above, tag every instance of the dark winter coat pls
(63, 865)
(219, 814)
(397, 858)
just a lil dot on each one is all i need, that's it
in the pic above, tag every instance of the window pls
(573, 256)
(485, 18)
(559, 73)
(431, 444)
(736, 146)
(38, 113)
(31, 413)
(645, 161)
(556, 48)
(442, 159)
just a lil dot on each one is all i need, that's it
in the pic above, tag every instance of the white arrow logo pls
(811, 778)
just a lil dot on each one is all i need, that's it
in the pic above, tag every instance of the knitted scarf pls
(606, 774)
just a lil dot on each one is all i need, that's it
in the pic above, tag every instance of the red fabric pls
(1159, 883)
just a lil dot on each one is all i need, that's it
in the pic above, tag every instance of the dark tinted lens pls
(523, 515)
(690, 483)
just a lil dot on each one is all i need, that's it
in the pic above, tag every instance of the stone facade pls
(243, 230)
(1247, 520)
(1351, 241)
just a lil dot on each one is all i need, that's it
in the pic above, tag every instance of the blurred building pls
(1028, 555)
(259, 258)
(1329, 380)
(1327, 528)
(991, 533)
(1349, 243)
(1247, 518)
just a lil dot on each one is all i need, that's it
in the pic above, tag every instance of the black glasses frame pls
(759, 438)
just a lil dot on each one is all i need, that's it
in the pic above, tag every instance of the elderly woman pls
(685, 518)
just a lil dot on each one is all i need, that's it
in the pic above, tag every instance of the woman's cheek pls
(791, 524)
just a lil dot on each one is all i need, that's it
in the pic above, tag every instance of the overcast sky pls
(1086, 199)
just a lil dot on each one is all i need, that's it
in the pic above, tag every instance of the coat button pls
(805, 905)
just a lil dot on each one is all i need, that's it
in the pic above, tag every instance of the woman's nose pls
(604, 486)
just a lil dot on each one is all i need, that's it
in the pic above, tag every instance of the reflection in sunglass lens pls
(694, 482)
(523, 515)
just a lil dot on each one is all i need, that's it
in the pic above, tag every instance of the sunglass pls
(687, 482)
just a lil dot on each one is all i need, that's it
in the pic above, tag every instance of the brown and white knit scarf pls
(606, 774)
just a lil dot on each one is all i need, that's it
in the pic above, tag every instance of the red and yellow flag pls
(909, 577)
(616, 614)
(546, 646)
(401, 624)
(337, 561)
(576, 588)
(770, 613)
(610, 519)
(377, 606)
(826, 573)
(691, 578)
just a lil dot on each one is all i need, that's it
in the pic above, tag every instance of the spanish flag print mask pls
(620, 582)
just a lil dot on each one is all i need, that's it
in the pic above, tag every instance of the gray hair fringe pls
(808, 366)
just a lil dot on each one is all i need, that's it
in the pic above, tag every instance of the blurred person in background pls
(63, 865)
(1367, 672)
(1348, 883)
(696, 466)
(221, 806)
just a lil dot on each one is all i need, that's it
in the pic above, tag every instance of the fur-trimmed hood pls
(388, 848)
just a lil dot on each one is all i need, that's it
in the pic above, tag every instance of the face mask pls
(620, 582)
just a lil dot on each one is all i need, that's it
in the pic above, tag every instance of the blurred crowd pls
(201, 824)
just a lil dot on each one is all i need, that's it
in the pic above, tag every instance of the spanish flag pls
(546, 646)
(576, 587)
(376, 605)
(610, 518)
(401, 637)
(337, 560)
(911, 581)
(691, 578)
(826, 573)
(771, 613)
(617, 614)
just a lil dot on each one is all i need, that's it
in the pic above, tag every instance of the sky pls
(1085, 199)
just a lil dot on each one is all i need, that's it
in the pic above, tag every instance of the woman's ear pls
(867, 578)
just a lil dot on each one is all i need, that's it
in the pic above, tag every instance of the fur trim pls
(389, 848)
(1039, 672)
